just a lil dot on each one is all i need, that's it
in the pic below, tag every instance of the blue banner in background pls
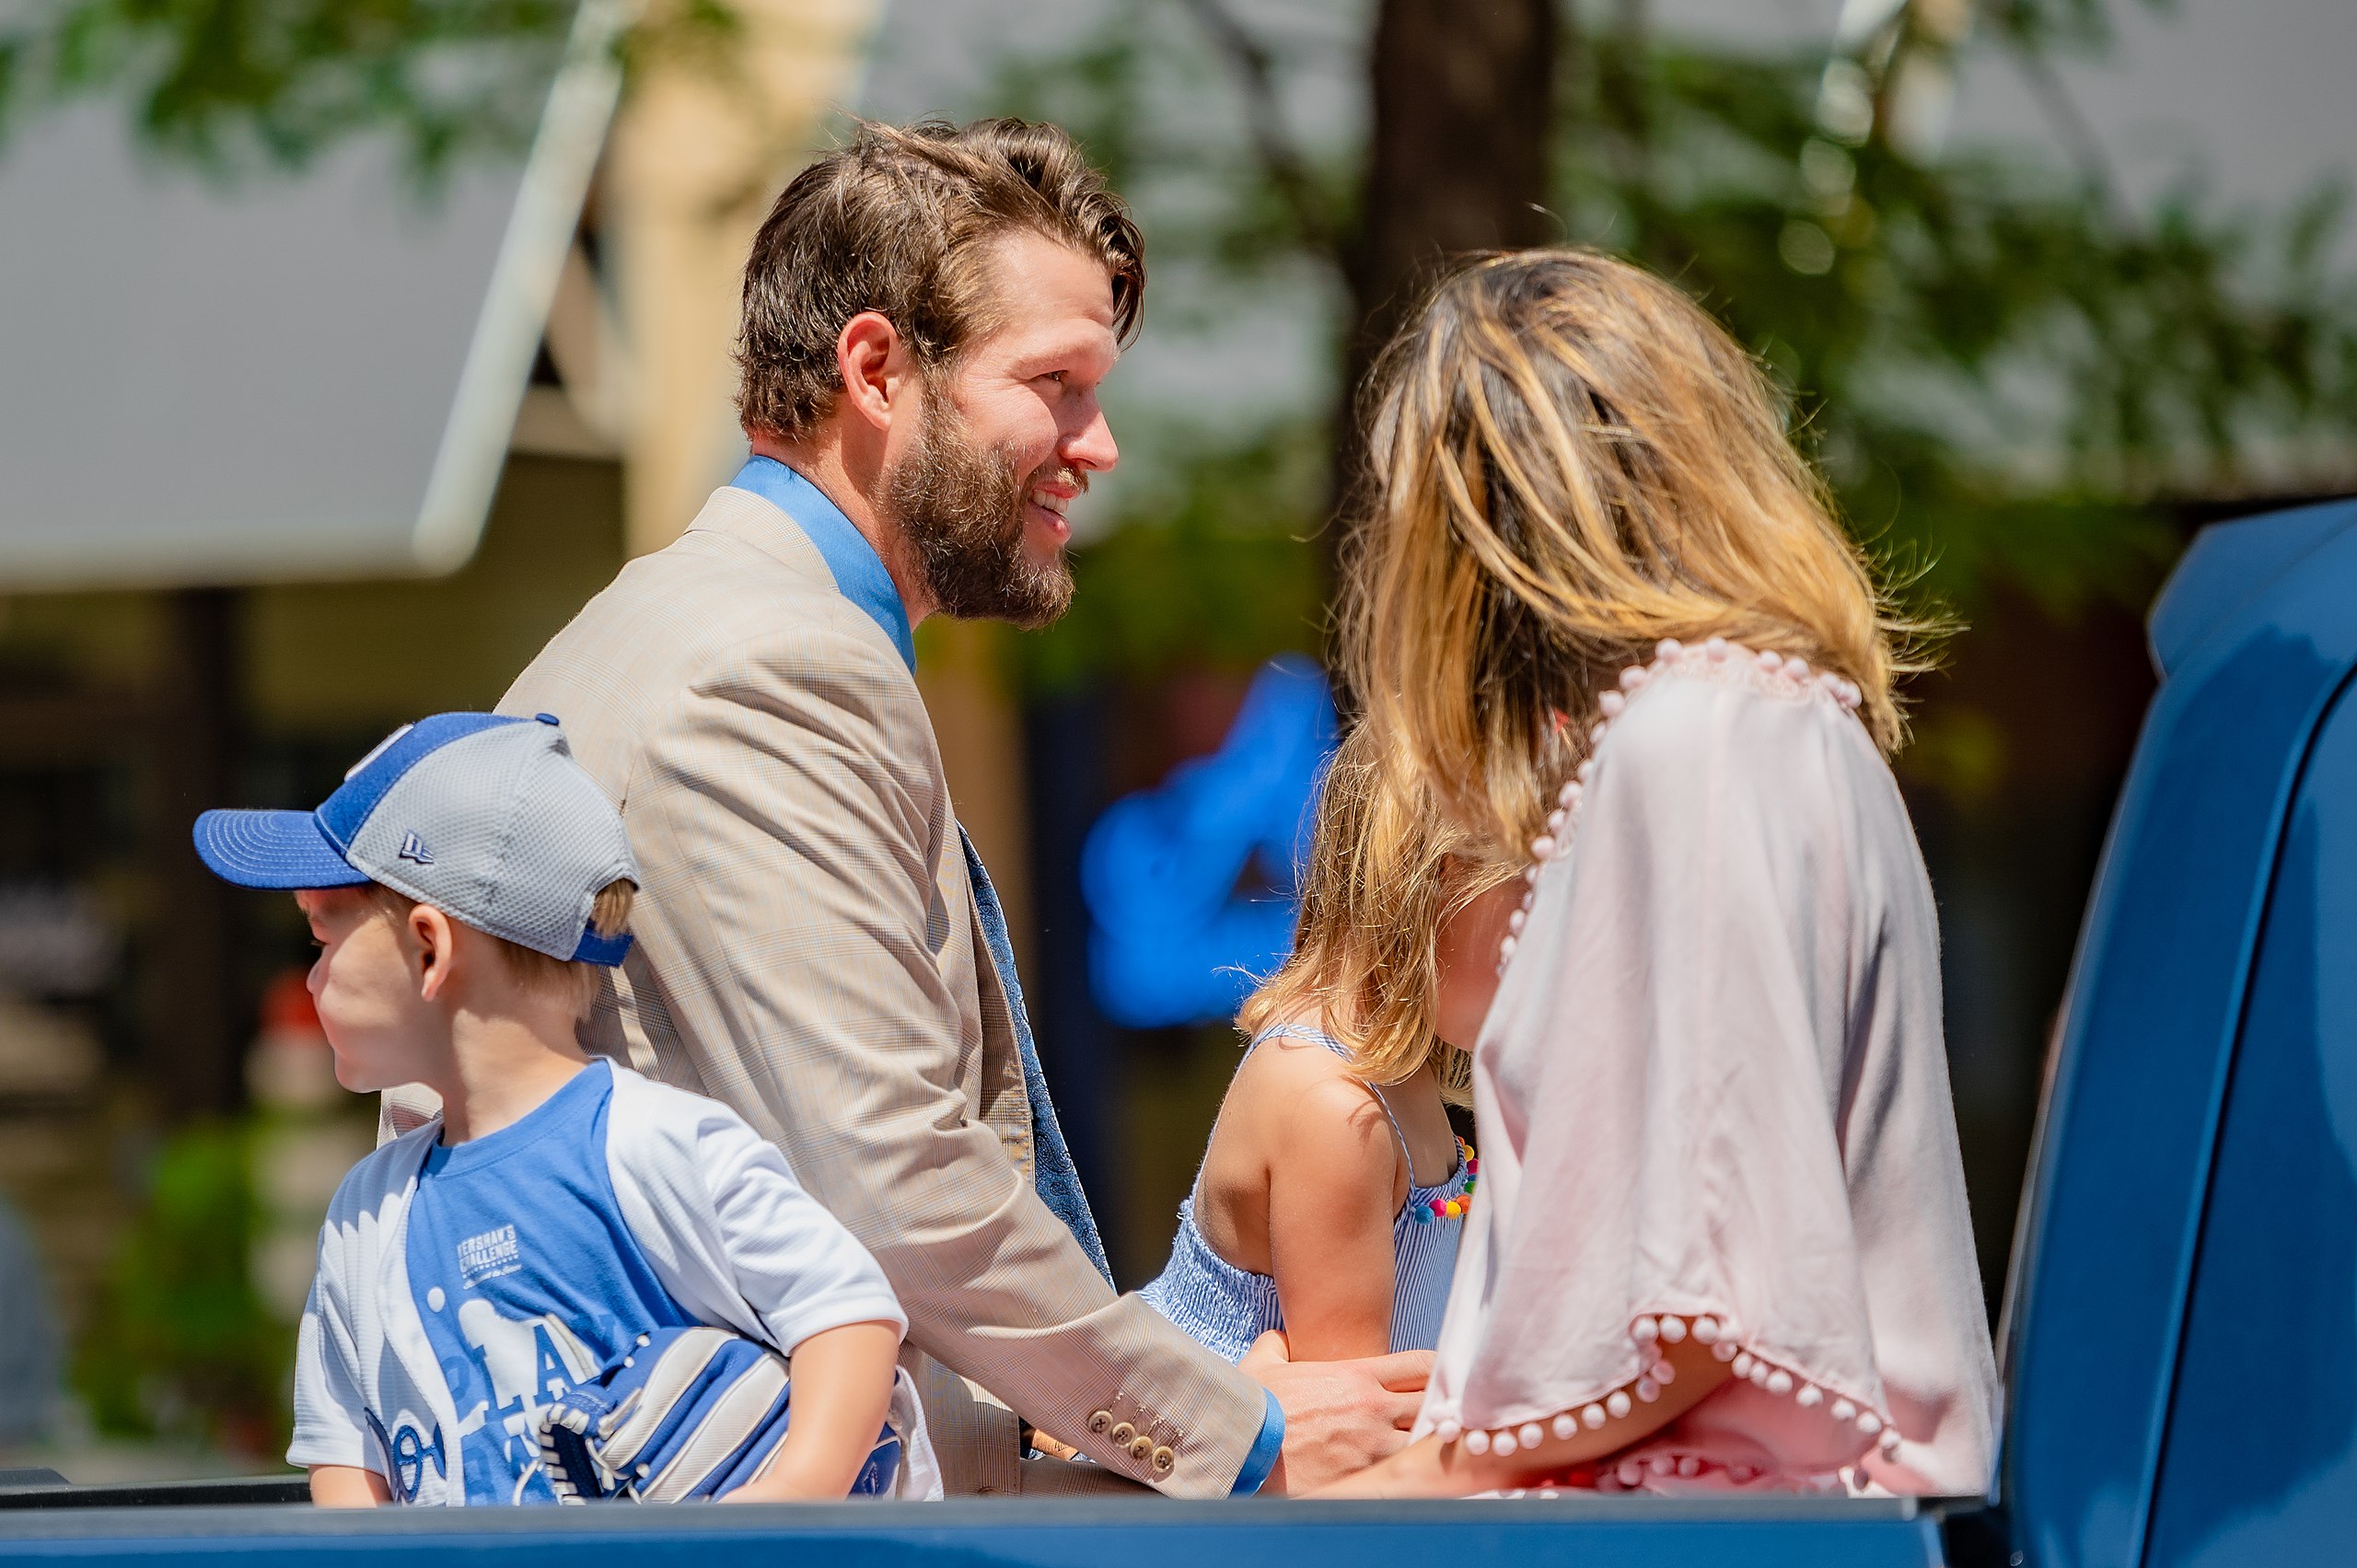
(1172, 939)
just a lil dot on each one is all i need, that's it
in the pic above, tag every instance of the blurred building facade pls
(154, 1062)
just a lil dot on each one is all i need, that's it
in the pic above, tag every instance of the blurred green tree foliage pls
(227, 83)
(2007, 375)
(180, 1345)
(1213, 566)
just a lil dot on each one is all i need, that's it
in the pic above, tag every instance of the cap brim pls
(271, 849)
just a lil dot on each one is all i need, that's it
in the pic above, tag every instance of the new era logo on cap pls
(524, 840)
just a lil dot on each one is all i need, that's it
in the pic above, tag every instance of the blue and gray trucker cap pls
(486, 818)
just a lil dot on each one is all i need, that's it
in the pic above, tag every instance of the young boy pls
(509, 1257)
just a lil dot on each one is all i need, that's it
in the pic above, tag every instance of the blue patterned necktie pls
(1053, 1171)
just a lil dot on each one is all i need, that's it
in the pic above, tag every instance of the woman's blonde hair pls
(1387, 867)
(1571, 462)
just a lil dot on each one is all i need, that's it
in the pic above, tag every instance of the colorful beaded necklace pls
(1453, 1207)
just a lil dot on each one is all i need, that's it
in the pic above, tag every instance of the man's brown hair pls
(899, 222)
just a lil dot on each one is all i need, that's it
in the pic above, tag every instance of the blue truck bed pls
(1594, 1532)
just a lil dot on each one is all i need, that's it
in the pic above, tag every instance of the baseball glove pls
(690, 1413)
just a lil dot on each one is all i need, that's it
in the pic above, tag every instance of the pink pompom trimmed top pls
(1712, 1100)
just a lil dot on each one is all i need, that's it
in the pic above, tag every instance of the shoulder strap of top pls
(1298, 1031)
(1319, 1037)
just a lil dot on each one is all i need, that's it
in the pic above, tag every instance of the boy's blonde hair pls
(1571, 461)
(1387, 867)
(530, 969)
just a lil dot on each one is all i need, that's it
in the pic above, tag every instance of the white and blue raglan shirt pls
(463, 1288)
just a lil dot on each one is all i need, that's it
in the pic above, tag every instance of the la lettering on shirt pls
(527, 1280)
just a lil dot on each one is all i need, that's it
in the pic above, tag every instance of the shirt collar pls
(859, 572)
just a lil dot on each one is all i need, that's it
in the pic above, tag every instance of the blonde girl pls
(1602, 609)
(1333, 1191)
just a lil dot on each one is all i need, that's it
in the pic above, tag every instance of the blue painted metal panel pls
(1146, 1533)
(2226, 570)
(2260, 1463)
(2155, 1000)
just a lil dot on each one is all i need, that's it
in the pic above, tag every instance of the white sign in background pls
(276, 376)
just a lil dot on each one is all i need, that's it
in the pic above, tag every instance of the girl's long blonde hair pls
(1571, 462)
(1387, 867)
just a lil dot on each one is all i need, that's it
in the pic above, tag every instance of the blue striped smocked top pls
(1226, 1308)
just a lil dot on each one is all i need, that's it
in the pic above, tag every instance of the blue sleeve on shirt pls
(1265, 1447)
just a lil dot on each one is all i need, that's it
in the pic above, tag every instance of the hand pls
(1434, 1469)
(1340, 1416)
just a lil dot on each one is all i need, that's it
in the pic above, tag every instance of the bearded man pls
(929, 313)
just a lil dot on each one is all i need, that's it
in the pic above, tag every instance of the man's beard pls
(963, 507)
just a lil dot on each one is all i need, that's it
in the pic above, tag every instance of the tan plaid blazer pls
(809, 952)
